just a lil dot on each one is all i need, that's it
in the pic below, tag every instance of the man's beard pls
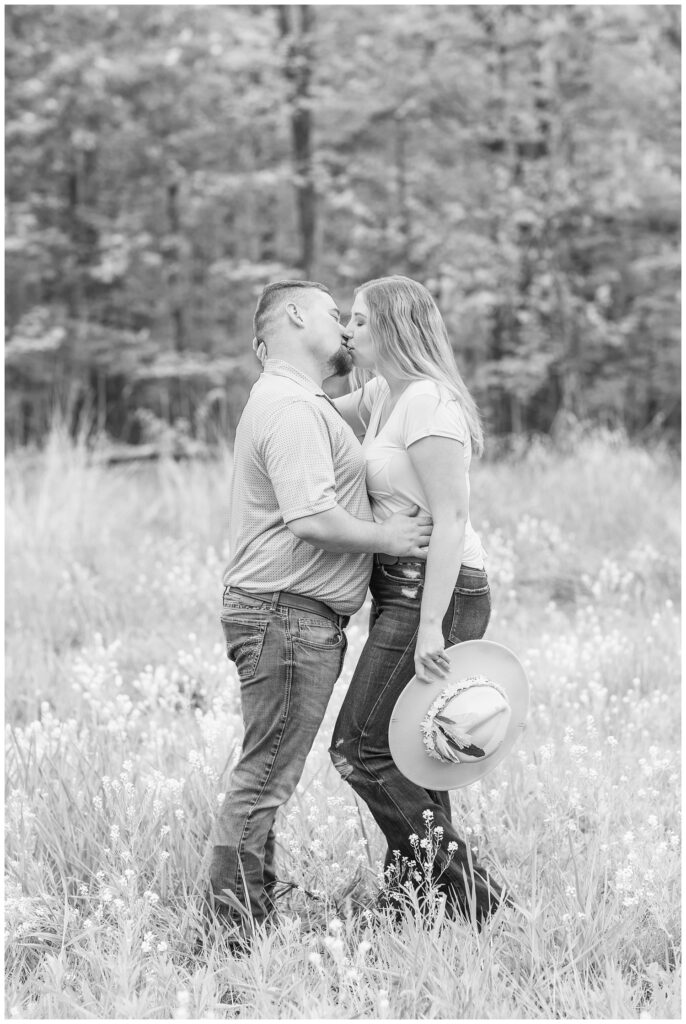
(341, 363)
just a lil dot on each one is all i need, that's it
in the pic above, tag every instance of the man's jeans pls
(359, 748)
(288, 661)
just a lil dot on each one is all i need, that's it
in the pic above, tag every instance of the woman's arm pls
(438, 462)
(354, 414)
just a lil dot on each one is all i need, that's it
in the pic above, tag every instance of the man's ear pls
(294, 314)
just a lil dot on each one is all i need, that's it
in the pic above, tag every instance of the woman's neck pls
(396, 385)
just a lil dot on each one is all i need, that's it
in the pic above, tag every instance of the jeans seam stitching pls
(361, 760)
(270, 764)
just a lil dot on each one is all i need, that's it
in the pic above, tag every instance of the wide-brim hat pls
(452, 731)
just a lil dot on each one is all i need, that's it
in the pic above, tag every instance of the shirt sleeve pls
(432, 415)
(296, 450)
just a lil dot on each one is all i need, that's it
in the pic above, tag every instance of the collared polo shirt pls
(294, 456)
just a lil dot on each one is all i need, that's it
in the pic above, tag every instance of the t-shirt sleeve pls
(296, 451)
(428, 415)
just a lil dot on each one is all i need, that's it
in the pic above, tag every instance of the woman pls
(420, 427)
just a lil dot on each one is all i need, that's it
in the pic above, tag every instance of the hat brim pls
(470, 658)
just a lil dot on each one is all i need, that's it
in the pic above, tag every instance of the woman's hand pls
(430, 659)
(260, 350)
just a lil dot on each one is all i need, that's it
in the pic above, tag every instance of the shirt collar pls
(280, 368)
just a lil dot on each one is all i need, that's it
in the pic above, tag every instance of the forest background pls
(164, 162)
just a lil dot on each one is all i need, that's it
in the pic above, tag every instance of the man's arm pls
(336, 530)
(297, 456)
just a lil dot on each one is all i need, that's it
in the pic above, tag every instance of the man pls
(301, 535)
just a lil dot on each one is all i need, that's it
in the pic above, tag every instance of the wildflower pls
(428, 815)
(162, 947)
(183, 1008)
(315, 958)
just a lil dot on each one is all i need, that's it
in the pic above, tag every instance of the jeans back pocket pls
(471, 606)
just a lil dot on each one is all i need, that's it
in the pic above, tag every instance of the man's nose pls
(346, 331)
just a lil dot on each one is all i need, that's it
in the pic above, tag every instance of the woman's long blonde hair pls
(409, 336)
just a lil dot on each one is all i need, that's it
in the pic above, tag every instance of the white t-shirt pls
(425, 409)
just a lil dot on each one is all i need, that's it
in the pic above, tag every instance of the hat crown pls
(468, 721)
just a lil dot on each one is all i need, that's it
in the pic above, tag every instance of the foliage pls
(164, 162)
(123, 719)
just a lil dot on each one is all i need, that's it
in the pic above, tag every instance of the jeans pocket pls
(471, 614)
(472, 581)
(244, 642)
(320, 633)
(404, 572)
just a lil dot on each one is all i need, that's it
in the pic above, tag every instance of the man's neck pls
(301, 362)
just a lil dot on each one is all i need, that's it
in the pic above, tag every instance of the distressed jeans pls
(359, 748)
(288, 661)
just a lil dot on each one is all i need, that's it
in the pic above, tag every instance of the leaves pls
(522, 161)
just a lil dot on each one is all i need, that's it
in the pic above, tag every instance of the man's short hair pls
(276, 294)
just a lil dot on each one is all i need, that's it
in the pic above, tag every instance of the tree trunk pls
(297, 24)
(174, 273)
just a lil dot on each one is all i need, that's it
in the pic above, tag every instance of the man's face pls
(328, 334)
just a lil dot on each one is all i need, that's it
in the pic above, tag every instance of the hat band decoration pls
(453, 737)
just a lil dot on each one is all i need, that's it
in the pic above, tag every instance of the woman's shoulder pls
(432, 388)
(435, 405)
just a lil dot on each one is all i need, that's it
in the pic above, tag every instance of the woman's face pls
(358, 341)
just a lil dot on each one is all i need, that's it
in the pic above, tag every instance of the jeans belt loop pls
(275, 600)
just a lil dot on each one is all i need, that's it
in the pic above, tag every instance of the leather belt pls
(284, 599)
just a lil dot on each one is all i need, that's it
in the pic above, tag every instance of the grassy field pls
(123, 719)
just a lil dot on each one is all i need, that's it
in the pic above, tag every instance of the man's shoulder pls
(279, 413)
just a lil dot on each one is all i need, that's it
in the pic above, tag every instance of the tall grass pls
(123, 718)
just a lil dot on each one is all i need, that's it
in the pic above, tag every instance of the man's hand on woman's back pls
(407, 534)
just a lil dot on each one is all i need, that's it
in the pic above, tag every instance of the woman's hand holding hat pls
(430, 660)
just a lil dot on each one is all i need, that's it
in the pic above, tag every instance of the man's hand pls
(406, 534)
(430, 659)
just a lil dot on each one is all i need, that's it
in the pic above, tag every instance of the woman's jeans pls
(359, 748)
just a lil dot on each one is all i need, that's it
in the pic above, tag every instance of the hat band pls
(430, 726)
